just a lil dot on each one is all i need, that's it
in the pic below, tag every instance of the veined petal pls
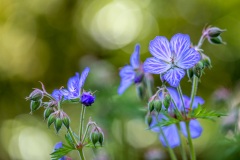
(83, 77)
(174, 76)
(180, 43)
(188, 59)
(125, 83)
(135, 57)
(57, 95)
(171, 135)
(159, 47)
(194, 126)
(72, 84)
(155, 66)
(127, 72)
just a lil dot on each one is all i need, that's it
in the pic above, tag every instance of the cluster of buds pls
(36, 99)
(156, 104)
(96, 136)
(213, 35)
(58, 118)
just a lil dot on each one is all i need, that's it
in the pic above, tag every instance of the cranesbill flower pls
(57, 94)
(171, 59)
(170, 132)
(58, 146)
(132, 73)
(75, 85)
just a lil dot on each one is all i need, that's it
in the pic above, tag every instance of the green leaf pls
(69, 140)
(57, 154)
(201, 112)
(166, 121)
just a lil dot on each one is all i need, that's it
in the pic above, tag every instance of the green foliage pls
(201, 112)
(61, 152)
(69, 140)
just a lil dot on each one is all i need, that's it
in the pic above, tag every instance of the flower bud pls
(166, 101)
(138, 77)
(101, 138)
(198, 69)
(66, 120)
(148, 119)
(216, 40)
(158, 105)
(150, 106)
(214, 31)
(51, 119)
(190, 73)
(94, 137)
(58, 124)
(47, 112)
(36, 95)
(35, 105)
(87, 98)
(140, 90)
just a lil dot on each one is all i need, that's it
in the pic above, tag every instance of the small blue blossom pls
(75, 85)
(87, 98)
(58, 146)
(171, 59)
(170, 131)
(57, 94)
(132, 73)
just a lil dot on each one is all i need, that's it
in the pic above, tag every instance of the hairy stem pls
(192, 152)
(194, 91)
(81, 122)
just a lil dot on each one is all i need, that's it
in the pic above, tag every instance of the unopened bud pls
(35, 105)
(58, 124)
(214, 31)
(207, 62)
(216, 40)
(190, 73)
(47, 112)
(94, 137)
(151, 106)
(51, 119)
(166, 101)
(158, 105)
(148, 119)
(101, 138)
(66, 121)
(140, 90)
(36, 95)
(198, 69)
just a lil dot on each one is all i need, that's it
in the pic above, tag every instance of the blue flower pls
(87, 98)
(171, 59)
(58, 146)
(75, 85)
(132, 73)
(170, 132)
(57, 94)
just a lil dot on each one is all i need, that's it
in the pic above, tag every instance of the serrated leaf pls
(201, 112)
(59, 153)
(166, 122)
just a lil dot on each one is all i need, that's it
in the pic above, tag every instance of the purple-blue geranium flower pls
(57, 94)
(58, 146)
(132, 73)
(75, 85)
(171, 59)
(170, 132)
(87, 98)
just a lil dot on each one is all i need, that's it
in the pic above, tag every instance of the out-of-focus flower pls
(132, 73)
(171, 59)
(58, 146)
(170, 131)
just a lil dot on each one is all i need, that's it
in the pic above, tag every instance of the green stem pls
(182, 150)
(81, 122)
(200, 42)
(85, 134)
(71, 134)
(80, 151)
(170, 150)
(193, 92)
(181, 97)
(192, 152)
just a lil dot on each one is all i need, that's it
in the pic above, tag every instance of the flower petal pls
(159, 47)
(188, 59)
(73, 83)
(180, 43)
(171, 135)
(125, 83)
(83, 77)
(127, 72)
(155, 66)
(197, 100)
(195, 128)
(135, 57)
(174, 76)
(57, 95)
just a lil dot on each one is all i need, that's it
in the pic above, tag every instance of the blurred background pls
(50, 40)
